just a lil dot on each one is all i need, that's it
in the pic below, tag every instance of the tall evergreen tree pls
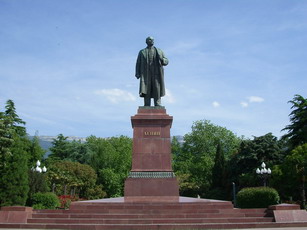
(35, 151)
(13, 167)
(6, 142)
(60, 149)
(15, 122)
(297, 130)
(15, 177)
(218, 171)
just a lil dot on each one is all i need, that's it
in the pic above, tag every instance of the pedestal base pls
(139, 188)
(151, 178)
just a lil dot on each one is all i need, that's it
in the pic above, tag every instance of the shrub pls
(66, 200)
(258, 197)
(45, 201)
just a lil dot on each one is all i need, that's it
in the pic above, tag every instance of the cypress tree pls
(218, 171)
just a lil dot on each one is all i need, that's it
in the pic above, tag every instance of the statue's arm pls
(138, 67)
(163, 59)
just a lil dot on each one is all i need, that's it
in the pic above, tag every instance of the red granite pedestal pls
(151, 177)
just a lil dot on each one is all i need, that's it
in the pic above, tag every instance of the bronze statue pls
(149, 69)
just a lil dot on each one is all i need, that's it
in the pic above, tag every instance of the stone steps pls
(118, 214)
(180, 215)
(148, 220)
(153, 226)
(142, 216)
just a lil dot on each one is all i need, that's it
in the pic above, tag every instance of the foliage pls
(218, 171)
(74, 151)
(195, 159)
(265, 148)
(37, 183)
(79, 152)
(14, 122)
(219, 187)
(187, 185)
(71, 177)
(14, 157)
(65, 201)
(258, 197)
(60, 148)
(6, 142)
(35, 151)
(111, 159)
(95, 193)
(298, 162)
(45, 201)
(297, 130)
(205, 137)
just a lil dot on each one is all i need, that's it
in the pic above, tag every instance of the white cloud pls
(215, 104)
(116, 95)
(252, 99)
(244, 104)
(182, 47)
(169, 98)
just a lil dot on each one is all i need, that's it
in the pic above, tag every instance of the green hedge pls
(45, 201)
(258, 197)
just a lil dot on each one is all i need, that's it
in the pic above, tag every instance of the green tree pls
(15, 177)
(74, 151)
(35, 151)
(265, 148)
(14, 169)
(79, 152)
(14, 121)
(218, 171)
(181, 165)
(60, 149)
(195, 160)
(220, 187)
(297, 130)
(298, 161)
(6, 141)
(111, 159)
(72, 178)
(37, 182)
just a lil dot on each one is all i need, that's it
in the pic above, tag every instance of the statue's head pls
(150, 41)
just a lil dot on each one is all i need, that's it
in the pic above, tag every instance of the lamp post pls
(39, 169)
(264, 173)
(37, 179)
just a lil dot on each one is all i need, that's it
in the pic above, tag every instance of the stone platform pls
(115, 213)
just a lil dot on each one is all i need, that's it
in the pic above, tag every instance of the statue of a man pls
(149, 69)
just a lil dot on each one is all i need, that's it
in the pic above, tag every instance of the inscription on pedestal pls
(152, 133)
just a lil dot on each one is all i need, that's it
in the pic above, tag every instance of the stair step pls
(123, 216)
(154, 226)
(147, 221)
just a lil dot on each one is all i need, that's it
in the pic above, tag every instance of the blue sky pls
(69, 64)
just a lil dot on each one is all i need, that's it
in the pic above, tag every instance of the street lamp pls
(39, 169)
(264, 173)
